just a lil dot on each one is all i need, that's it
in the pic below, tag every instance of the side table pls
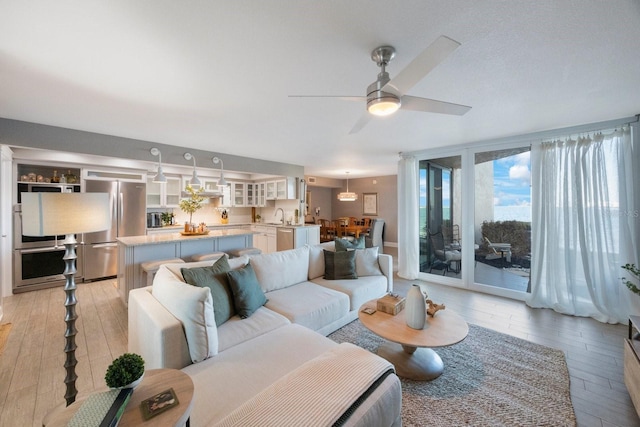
(632, 362)
(154, 381)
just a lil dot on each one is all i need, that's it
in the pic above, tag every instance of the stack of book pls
(102, 409)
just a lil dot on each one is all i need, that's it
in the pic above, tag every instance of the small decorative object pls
(71, 178)
(224, 217)
(391, 304)
(159, 403)
(433, 308)
(415, 308)
(40, 178)
(55, 178)
(167, 218)
(125, 371)
(631, 268)
(192, 203)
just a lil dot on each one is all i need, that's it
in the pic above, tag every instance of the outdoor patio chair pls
(503, 248)
(444, 257)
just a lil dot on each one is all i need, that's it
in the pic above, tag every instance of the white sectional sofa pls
(275, 367)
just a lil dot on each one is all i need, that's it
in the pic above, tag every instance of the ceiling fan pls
(385, 96)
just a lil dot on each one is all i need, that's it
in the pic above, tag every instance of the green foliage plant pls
(124, 370)
(631, 268)
(192, 203)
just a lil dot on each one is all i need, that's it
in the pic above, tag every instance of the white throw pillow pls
(367, 262)
(279, 270)
(193, 306)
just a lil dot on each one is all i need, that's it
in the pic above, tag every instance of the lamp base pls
(70, 318)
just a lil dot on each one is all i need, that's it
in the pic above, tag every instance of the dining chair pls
(337, 227)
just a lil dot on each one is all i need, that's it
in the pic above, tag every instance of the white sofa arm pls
(154, 333)
(386, 266)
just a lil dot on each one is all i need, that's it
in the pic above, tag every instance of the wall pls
(321, 197)
(387, 189)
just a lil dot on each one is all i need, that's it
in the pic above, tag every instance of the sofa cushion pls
(237, 330)
(359, 291)
(367, 262)
(316, 258)
(340, 265)
(309, 305)
(345, 245)
(278, 270)
(215, 278)
(247, 294)
(234, 264)
(193, 306)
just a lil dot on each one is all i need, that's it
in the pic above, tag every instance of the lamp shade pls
(48, 214)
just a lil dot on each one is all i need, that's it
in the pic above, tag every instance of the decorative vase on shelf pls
(415, 308)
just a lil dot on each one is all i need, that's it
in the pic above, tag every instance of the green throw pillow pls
(247, 293)
(215, 278)
(345, 245)
(340, 265)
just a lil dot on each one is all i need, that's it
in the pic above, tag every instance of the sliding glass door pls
(488, 248)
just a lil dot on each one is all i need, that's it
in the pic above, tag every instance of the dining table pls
(344, 230)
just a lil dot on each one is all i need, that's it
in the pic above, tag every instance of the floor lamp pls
(52, 214)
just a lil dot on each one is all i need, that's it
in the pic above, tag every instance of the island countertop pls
(158, 238)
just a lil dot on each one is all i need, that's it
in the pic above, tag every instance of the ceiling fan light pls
(383, 105)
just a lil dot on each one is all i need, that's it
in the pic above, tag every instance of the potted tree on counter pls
(192, 203)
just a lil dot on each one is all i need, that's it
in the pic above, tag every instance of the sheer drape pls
(408, 233)
(583, 230)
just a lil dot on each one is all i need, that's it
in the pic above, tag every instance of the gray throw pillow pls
(345, 245)
(340, 265)
(215, 278)
(247, 293)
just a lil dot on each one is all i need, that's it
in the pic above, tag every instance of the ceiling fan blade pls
(344, 98)
(362, 122)
(414, 103)
(422, 64)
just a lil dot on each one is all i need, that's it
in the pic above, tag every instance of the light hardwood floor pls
(32, 376)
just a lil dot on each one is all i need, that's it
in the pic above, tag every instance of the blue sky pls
(512, 180)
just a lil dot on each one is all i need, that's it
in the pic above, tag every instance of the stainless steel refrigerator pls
(128, 216)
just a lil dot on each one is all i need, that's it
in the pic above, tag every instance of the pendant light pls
(221, 182)
(159, 178)
(347, 196)
(194, 182)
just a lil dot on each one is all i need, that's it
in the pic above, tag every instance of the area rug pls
(489, 379)
(4, 334)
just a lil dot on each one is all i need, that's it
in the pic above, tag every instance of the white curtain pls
(408, 228)
(583, 225)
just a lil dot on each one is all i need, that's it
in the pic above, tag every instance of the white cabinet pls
(260, 190)
(281, 189)
(306, 236)
(265, 238)
(239, 194)
(270, 190)
(164, 195)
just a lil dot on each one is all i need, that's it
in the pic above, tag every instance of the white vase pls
(415, 308)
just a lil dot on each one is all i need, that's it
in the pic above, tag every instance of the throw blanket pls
(315, 394)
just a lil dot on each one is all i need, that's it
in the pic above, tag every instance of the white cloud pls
(520, 172)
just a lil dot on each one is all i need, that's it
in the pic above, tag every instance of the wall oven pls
(38, 261)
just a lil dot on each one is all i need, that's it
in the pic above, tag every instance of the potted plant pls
(192, 203)
(125, 371)
(631, 268)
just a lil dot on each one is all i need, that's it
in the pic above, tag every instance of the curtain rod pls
(532, 137)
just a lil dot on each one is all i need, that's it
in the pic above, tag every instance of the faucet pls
(276, 214)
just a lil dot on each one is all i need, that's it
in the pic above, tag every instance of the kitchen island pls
(134, 250)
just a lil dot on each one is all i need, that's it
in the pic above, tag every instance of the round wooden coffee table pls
(410, 350)
(154, 382)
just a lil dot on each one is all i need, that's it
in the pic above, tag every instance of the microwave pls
(39, 187)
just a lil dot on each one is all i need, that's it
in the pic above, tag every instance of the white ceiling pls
(216, 75)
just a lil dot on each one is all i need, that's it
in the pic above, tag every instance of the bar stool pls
(211, 256)
(235, 253)
(150, 268)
